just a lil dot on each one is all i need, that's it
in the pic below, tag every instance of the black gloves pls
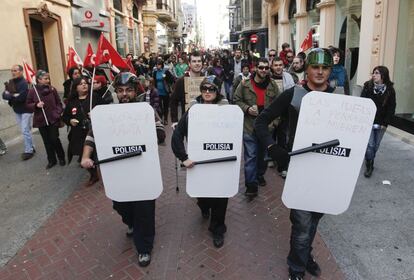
(279, 155)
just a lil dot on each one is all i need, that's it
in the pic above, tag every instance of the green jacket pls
(245, 97)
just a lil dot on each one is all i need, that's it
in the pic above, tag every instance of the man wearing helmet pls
(139, 216)
(304, 223)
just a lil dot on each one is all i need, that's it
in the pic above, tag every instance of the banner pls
(89, 61)
(307, 43)
(29, 73)
(107, 54)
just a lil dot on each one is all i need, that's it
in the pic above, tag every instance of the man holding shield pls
(304, 223)
(139, 216)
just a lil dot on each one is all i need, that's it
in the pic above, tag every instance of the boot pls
(369, 164)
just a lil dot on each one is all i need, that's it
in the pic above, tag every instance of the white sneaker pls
(144, 259)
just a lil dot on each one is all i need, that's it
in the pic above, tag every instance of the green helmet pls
(319, 56)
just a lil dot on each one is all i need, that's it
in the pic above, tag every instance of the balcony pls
(164, 12)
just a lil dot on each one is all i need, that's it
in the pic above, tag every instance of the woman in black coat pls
(210, 94)
(381, 90)
(76, 116)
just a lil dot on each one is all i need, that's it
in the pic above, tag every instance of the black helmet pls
(126, 79)
(319, 56)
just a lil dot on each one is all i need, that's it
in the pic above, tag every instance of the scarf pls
(379, 88)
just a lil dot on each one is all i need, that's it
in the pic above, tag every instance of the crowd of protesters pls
(237, 77)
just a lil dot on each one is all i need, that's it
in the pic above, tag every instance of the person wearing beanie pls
(319, 63)
(210, 207)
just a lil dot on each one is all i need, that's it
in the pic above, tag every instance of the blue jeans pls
(374, 142)
(25, 123)
(228, 90)
(304, 226)
(254, 164)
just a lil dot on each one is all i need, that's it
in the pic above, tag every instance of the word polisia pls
(218, 146)
(120, 150)
(335, 151)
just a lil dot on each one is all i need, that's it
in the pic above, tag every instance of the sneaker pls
(218, 240)
(313, 267)
(26, 156)
(130, 231)
(296, 275)
(261, 180)
(144, 259)
(283, 174)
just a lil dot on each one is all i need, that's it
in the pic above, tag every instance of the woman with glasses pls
(381, 90)
(210, 94)
(76, 116)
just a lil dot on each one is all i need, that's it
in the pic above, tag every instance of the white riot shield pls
(124, 128)
(324, 181)
(214, 132)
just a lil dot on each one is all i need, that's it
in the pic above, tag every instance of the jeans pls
(25, 123)
(374, 142)
(228, 90)
(304, 226)
(254, 164)
(141, 216)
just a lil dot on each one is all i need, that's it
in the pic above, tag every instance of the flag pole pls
(91, 95)
(38, 97)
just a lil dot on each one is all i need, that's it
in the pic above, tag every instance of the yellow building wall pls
(15, 41)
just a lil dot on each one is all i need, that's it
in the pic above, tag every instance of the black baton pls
(123, 156)
(324, 145)
(214, 160)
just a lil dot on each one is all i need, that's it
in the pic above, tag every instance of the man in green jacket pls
(252, 96)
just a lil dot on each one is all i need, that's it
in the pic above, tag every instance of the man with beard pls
(252, 96)
(304, 223)
(139, 216)
(178, 94)
(298, 70)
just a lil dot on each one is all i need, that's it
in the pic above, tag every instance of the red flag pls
(89, 61)
(307, 43)
(107, 54)
(29, 73)
(74, 59)
(130, 66)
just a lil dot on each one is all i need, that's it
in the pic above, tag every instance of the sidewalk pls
(85, 238)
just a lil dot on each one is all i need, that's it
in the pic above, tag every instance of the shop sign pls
(89, 17)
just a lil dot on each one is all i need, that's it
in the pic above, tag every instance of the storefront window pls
(404, 61)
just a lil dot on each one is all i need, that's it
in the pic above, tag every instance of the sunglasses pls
(270, 55)
(209, 89)
(263, 67)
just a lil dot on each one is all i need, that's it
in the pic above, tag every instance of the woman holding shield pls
(210, 94)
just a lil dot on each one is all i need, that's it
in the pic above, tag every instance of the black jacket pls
(385, 103)
(18, 103)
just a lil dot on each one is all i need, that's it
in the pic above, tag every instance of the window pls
(135, 11)
(257, 11)
(117, 5)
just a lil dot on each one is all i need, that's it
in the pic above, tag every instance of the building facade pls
(370, 33)
(161, 20)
